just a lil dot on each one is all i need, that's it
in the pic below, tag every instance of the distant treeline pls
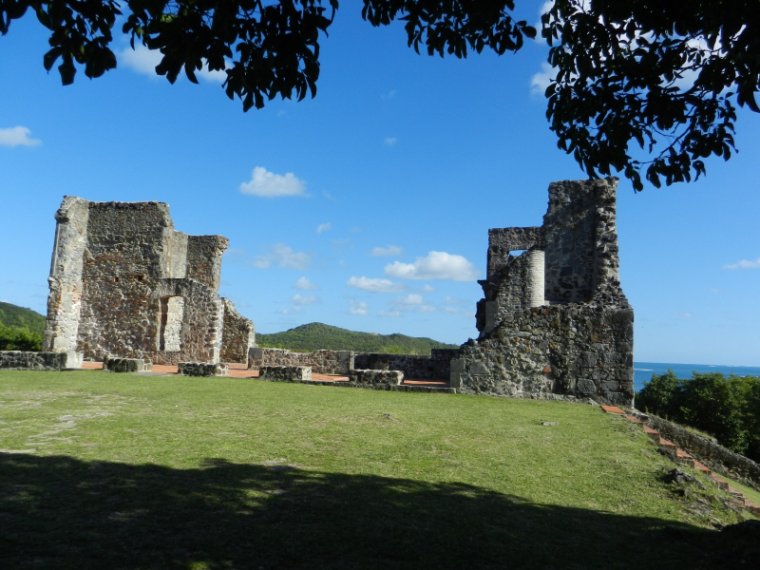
(726, 408)
(315, 336)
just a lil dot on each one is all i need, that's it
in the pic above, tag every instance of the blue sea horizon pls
(643, 371)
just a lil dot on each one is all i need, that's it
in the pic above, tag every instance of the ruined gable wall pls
(122, 268)
(125, 283)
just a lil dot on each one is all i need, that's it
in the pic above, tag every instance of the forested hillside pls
(20, 328)
(314, 336)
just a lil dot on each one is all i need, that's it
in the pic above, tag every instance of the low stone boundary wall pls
(376, 378)
(285, 373)
(320, 361)
(712, 454)
(201, 369)
(437, 366)
(127, 365)
(28, 360)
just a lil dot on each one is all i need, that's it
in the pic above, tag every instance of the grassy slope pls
(314, 336)
(102, 470)
(19, 317)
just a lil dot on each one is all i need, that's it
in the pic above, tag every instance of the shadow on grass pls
(60, 512)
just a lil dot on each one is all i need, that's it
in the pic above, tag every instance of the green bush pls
(727, 408)
(19, 338)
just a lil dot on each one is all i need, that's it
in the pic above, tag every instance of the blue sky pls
(369, 206)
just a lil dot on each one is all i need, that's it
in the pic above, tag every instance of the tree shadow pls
(60, 512)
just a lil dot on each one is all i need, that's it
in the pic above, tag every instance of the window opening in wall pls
(170, 324)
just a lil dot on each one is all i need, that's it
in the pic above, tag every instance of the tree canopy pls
(640, 87)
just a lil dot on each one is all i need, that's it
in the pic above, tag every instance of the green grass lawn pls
(102, 470)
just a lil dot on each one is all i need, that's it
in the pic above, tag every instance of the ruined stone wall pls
(29, 360)
(578, 350)
(433, 367)
(320, 361)
(122, 269)
(65, 299)
(125, 284)
(238, 336)
(204, 259)
(554, 320)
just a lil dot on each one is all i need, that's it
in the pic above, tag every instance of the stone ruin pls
(124, 283)
(554, 319)
(554, 322)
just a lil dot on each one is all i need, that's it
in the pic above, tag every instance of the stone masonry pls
(554, 319)
(124, 283)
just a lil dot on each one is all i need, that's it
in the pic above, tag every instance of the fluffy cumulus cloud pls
(144, 61)
(304, 284)
(435, 265)
(17, 136)
(281, 255)
(265, 184)
(744, 264)
(359, 308)
(386, 251)
(322, 228)
(374, 285)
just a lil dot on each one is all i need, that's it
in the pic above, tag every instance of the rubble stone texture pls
(554, 319)
(124, 283)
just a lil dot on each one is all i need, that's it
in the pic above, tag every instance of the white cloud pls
(299, 300)
(744, 264)
(390, 141)
(413, 302)
(359, 308)
(386, 251)
(540, 81)
(322, 228)
(144, 61)
(304, 284)
(141, 59)
(374, 285)
(282, 255)
(435, 265)
(388, 95)
(265, 184)
(17, 136)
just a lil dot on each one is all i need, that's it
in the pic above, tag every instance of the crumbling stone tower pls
(554, 319)
(124, 283)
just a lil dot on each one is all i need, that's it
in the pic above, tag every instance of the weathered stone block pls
(202, 369)
(29, 360)
(127, 365)
(285, 373)
(377, 378)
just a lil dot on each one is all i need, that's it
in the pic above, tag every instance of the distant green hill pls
(19, 317)
(314, 336)
(20, 328)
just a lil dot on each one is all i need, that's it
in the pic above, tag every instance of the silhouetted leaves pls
(642, 88)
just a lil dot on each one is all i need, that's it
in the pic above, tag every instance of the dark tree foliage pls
(727, 408)
(663, 76)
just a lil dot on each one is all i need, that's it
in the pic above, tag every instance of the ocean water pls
(642, 371)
